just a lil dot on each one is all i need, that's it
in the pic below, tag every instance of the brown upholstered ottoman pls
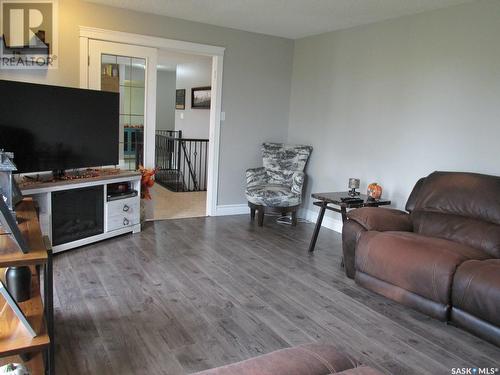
(476, 298)
(309, 359)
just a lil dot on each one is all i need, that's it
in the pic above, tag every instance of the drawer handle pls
(125, 221)
(126, 208)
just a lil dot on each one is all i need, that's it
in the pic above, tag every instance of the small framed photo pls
(180, 99)
(201, 97)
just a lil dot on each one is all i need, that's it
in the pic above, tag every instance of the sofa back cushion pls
(462, 207)
(412, 199)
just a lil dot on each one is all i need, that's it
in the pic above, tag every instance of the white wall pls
(393, 101)
(165, 100)
(194, 123)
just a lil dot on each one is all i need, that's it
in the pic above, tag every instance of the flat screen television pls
(51, 128)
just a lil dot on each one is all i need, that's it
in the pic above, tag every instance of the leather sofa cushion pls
(362, 370)
(312, 359)
(469, 231)
(476, 289)
(422, 265)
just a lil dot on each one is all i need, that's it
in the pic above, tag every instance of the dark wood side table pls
(334, 198)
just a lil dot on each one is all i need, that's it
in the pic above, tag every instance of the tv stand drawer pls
(122, 213)
(122, 221)
(129, 206)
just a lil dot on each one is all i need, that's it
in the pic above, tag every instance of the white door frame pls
(217, 54)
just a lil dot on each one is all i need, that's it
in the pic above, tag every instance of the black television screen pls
(54, 128)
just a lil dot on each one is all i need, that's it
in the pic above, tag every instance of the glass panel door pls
(126, 75)
(127, 70)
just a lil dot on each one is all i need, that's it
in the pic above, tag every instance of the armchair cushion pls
(272, 195)
(381, 219)
(256, 176)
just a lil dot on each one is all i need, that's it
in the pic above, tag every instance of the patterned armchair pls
(278, 184)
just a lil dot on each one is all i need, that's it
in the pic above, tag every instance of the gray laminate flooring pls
(190, 294)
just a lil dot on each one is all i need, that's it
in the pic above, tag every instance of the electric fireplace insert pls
(77, 214)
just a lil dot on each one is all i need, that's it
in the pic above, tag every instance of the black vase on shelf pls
(18, 281)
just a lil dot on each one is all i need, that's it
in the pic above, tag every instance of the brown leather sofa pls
(440, 257)
(310, 359)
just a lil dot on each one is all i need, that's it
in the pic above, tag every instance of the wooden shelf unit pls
(14, 338)
(35, 364)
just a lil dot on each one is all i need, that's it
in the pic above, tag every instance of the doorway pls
(183, 105)
(102, 48)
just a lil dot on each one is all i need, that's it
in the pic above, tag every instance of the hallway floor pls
(171, 205)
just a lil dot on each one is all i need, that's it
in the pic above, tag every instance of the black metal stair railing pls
(181, 163)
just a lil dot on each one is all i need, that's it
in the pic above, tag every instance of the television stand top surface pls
(33, 184)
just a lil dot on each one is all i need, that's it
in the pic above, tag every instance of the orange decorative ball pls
(374, 190)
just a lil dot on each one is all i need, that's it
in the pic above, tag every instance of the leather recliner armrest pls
(381, 219)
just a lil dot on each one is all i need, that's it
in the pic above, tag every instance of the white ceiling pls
(286, 18)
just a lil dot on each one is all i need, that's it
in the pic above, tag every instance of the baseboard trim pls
(232, 209)
(309, 215)
(328, 222)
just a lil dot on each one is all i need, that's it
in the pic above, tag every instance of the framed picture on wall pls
(180, 99)
(201, 97)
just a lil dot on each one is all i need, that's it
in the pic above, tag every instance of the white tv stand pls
(120, 216)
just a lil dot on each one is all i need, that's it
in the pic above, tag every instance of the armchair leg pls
(260, 220)
(252, 213)
(294, 218)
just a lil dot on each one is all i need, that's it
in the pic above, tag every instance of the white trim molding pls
(309, 215)
(232, 209)
(150, 41)
(214, 137)
(328, 221)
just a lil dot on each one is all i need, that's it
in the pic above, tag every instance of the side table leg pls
(343, 212)
(314, 238)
